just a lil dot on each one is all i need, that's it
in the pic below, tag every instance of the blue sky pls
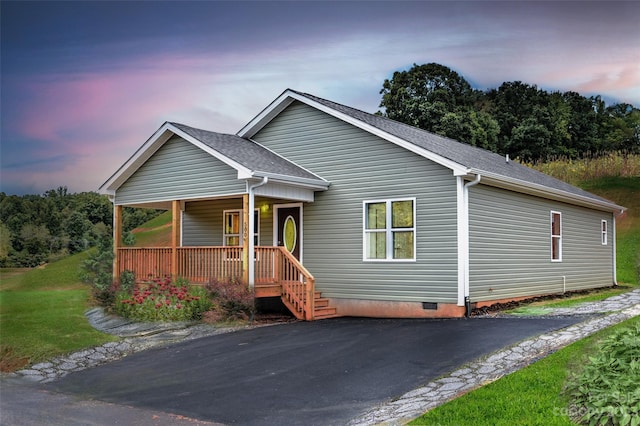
(84, 84)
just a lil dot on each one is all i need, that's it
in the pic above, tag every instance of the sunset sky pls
(84, 84)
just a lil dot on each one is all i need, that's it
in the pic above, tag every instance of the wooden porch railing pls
(198, 265)
(298, 285)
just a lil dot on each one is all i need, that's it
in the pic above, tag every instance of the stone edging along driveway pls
(488, 369)
(138, 337)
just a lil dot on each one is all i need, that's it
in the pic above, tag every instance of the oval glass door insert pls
(290, 234)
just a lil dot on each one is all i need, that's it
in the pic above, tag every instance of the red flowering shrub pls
(163, 300)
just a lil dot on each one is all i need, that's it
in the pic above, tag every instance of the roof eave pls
(268, 114)
(288, 96)
(159, 138)
(143, 153)
(546, 192)
(315, 184)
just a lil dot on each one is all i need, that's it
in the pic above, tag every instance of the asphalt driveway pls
(316, 373)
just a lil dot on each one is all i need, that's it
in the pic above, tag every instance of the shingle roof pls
(247, 153)
(477, 160)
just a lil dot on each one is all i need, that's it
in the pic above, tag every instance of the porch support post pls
(117, 239)
(175, 236)
(246, 277)
(249, 203)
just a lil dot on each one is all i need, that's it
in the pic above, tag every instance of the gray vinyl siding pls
(202, 221)
(178, 171)
(362, 166)
(510, 246)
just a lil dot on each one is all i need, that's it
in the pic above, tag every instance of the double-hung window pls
(556, 236)
(603, 232)
(389, 230)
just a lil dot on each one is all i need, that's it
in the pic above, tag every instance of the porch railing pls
(273, 265)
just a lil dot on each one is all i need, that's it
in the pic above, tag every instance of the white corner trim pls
(463, 238)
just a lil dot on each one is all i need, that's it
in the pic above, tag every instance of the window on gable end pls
(603, 232)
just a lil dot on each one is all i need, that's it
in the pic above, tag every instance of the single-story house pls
(340, 212)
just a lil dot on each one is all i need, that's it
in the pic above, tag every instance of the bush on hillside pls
(97, 270)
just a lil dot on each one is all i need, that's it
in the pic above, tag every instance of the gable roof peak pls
(463, 159)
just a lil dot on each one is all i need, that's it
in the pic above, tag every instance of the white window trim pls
(604, 229)
(552, 237)
(388, 230)
(241, 237)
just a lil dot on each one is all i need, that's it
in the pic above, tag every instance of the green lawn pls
(531, 396)
(42, 314)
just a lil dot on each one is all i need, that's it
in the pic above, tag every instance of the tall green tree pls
(516, 118)
(425, 94)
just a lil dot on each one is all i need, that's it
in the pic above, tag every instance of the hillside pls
(624, 191)
(154, 233)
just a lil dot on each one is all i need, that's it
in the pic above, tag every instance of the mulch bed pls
(499, 307)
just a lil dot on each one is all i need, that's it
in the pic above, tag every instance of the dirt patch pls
(12, 272)
(499, 307)
(273, 319)
(9, 361)
(139, 230)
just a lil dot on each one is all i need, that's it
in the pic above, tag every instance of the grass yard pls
(42, 314)
(531, 396)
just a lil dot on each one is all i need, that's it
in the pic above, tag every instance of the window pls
(603, 230)
(232, 228)
(389, 230)
(556, 236)
(232, 235)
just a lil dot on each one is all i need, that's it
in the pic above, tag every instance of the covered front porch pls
(270, 270)
(236, 214)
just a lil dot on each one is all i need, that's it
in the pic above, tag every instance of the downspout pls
(614, 248)
(252, 249)
(467, 301)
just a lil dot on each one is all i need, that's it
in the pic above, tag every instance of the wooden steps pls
(322, 310)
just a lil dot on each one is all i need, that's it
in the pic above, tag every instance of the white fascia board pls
(320, 178)
(242, 170)
(138, 158)
(546, 192)
(457, 169)
(295, 181)
(267, 114)
(155, 142)
(286, 98)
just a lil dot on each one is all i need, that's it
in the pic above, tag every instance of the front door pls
(289, 232)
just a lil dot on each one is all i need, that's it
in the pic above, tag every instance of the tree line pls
(517, 118)
(36, 229)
